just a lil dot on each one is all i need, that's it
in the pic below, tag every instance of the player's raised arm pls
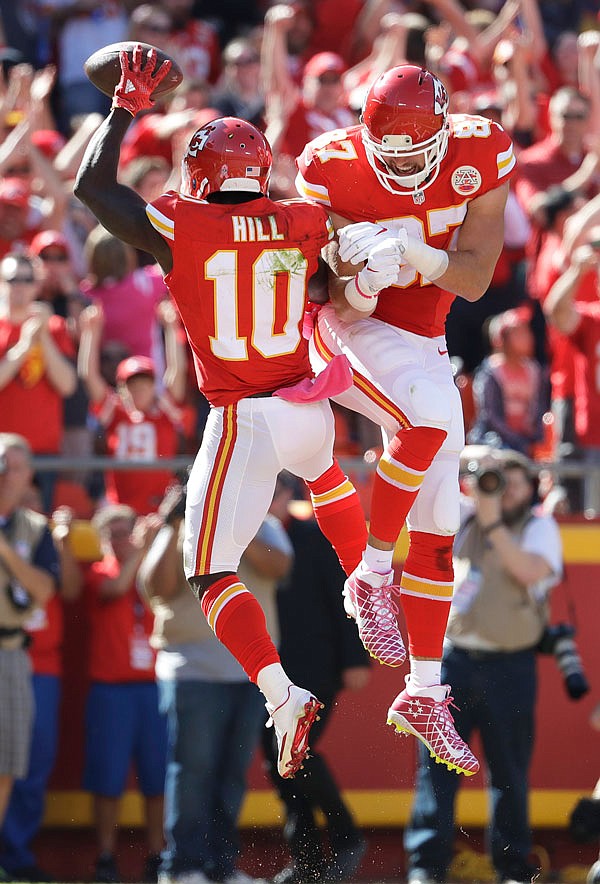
(119, 208)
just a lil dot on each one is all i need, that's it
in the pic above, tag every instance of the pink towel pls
(333, 380)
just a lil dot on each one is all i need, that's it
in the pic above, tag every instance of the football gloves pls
(138, 81)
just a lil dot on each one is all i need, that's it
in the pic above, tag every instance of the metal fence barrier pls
(357, 467)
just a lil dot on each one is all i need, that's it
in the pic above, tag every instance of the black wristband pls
(489, 528)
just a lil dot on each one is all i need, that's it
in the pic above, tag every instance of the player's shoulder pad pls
(495, 148)
(161, 213)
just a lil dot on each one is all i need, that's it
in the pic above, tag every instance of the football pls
(104, 69)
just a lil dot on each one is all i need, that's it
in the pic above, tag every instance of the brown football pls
(104, 69)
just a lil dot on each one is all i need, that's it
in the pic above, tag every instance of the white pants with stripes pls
(233, 478)
(388, 362)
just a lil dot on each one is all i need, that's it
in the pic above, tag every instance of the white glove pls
(382, 267)
(357, 240)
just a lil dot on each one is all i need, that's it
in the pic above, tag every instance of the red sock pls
(340, 515)
(239, 623)
(399, 475)
(427, 583)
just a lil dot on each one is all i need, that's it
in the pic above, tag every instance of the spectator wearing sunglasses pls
(36, 371)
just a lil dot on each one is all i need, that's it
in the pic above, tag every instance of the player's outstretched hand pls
(138, 80)
(357, 240)
(382, 267)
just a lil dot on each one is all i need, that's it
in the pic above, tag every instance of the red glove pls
(134, 90)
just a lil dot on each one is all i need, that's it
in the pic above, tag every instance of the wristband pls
(489, 528)
(358, 299)
(430, 263)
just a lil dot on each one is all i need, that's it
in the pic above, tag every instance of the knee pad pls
(437, 507)
(446, 506)
(429, 403)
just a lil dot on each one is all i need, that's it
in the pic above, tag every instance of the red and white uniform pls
(403, 340)
(239, 281)
(135, 435)
(334, 171)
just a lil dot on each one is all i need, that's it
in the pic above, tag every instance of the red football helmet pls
(226, 154)
(405, 114)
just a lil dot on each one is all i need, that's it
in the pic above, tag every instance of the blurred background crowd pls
(74, 293)
(93, 359)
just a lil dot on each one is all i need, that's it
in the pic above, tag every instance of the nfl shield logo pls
(418, 198)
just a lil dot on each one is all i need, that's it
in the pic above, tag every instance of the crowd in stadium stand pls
(93, 357)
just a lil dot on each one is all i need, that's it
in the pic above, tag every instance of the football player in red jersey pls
(425, 192)
(237, 265)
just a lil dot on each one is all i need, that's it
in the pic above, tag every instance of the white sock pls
(424, 678)
(378, 560)
(274, 684)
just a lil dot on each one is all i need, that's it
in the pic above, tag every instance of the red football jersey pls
(135, 435)
(335, 171)
(239, 280)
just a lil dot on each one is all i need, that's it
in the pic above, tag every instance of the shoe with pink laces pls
(292, 721)
(376, 615)
(431, 722)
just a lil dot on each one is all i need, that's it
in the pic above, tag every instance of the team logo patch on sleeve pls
(466, 180)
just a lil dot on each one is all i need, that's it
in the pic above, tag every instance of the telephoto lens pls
(489, 479)
(559, 640)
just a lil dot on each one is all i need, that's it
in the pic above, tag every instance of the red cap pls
(49, 141)
(14, 192)
(324, 63)
(133, 365)
(48, 239)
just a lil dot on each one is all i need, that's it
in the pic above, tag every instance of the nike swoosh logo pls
(442, 352)
(452, 752)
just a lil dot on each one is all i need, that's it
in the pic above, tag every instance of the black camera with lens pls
(490, 480)
(559, 640)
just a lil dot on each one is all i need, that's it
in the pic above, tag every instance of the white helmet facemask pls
(400, 147)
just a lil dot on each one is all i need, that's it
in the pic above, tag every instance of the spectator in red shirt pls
(297, 114)
(580, 320)
(552, 160)
(36, 372)
(123, 722)
(140, 422)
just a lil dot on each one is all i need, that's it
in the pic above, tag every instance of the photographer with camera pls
(29, 572)
(507, 557)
